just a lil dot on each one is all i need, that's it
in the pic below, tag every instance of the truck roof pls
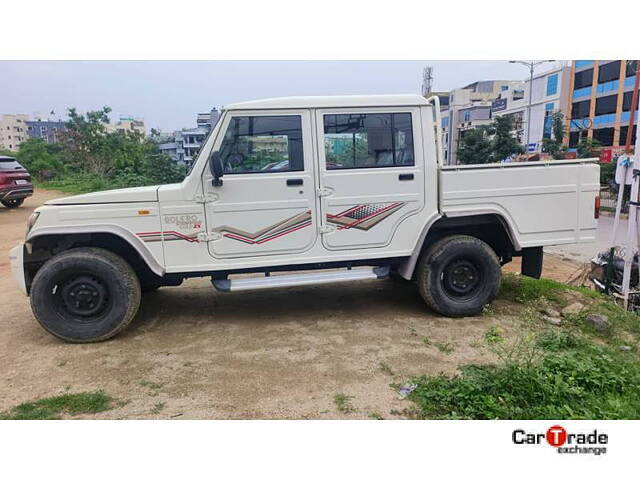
(331, 102)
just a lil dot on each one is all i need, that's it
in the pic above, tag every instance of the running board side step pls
(297, 279)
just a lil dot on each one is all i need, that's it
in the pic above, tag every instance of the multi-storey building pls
(46, 130)
(549, 94)
(13, 131)
(599, 102)
(468, 108)
(186, 143)
(127, 124)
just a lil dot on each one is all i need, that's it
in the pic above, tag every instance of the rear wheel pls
(13, 203)
(458, 275)
(85, 295)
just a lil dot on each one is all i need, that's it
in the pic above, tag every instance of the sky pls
(167, 95)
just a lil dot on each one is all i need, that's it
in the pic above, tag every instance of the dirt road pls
(196, 353)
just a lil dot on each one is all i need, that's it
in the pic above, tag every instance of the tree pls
(161, 168)
(89, 155)
(489, 144)
(83, 140)
(553, 145)
(475, 146)
(588, 148)
(43, 160)
(504, 144)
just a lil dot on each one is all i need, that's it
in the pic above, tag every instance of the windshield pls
(10, 164)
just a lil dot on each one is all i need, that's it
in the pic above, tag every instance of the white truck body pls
(322, 212)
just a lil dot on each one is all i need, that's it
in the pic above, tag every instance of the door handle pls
(292, 182)
(405, 176)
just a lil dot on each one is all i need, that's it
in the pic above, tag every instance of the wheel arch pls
(46, 242)
(492, 228)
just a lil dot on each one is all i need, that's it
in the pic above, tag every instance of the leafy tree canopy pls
(489, 144)
(109, 159)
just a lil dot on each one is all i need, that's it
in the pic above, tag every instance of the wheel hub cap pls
(84, 295)
(461, 277)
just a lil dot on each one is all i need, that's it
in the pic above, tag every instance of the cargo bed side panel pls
(546, 203)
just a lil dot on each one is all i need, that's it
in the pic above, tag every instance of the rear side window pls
(263, 145)
(368, 140)
(10, 164)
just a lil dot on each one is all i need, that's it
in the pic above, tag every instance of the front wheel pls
(13, 203)
(458, 276)
(85, 295)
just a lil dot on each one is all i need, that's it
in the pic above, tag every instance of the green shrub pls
(557, 340)
(585, 383)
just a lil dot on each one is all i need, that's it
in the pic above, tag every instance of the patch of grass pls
(375, 416)
(447, 347)
(413, 332)
(51, 408)
(494, 335)
(524, 289)
(557, 340)
(386, 368)
(624, 326)
(343, 403)
(76, 183)
(157, 408)
(426, 340)
(585, 382)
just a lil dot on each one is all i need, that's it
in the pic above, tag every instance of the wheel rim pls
(461, 278)
(85, 296)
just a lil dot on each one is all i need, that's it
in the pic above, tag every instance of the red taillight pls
(596, 211)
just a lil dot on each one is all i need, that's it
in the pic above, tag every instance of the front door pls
(266, 204)
(371, 174)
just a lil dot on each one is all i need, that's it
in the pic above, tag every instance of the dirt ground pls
(194, 353)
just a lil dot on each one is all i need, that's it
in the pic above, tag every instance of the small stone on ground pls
(572, 309)
(552, 320)
(598, 322)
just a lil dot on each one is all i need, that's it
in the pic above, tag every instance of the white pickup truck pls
(305, 190)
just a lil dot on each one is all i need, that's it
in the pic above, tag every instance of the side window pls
(263, 145)
(368, 140)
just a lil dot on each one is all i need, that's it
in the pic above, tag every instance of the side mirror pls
(217, 170)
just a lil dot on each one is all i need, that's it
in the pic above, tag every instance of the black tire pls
(85, 295)
(13, 203)
(458, 275)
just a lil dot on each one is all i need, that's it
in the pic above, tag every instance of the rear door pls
(371, 176)
(267, 203)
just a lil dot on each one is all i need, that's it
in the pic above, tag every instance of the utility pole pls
(531, 65)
